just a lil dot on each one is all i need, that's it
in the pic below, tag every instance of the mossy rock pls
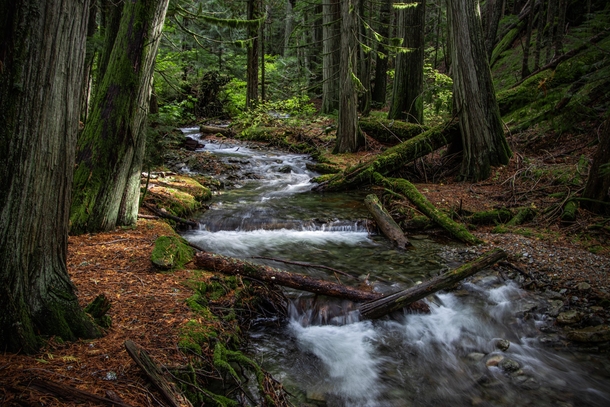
(171, 252)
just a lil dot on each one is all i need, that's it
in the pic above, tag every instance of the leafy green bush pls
(438, 94)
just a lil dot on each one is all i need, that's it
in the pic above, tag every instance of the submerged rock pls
(599, 333)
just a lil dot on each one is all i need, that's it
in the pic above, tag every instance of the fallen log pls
(166, 215)
(393, 158)
(66, 392)
(386, 224)
(393, 302)
(225, 131)
(390, 131)
(404, 187)
(154, 373)
(232, 266)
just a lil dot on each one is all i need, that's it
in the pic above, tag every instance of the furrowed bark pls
(404, 187)
(392, 159)
(386, 224)
(384, 306)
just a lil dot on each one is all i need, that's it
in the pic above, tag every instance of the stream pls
(482, 345)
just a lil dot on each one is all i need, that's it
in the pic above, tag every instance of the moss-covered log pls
(386, 224)
(407, 189)
(384, 306)
(390, 131)
(521, 217)
(228, 265)
(392, 159)
(490, 217)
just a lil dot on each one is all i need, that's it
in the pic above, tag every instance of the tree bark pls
(540, 33)
(525, 68)
(42, 54)
(407, 95)
(392, 159)
(252, 64)
(331, 38)
(404, 187)
(386, 224)
(349, 138)
(384, 306)
(494, 14)
(365, 61)
(474, 95)
(381, 66)
(598, 182)
(111, 148)
(228, 265)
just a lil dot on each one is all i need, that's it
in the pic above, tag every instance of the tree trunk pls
(598, 183)
(111, 148)
(494, 14)
(560, 29)
(392, 159)
(551, 26)
(270, 275)
(474, 95)
(349, 138)
(288, 26)
(331, 38)
(404, 187)
(539, 34)
(386, 224)
(525, 68)
(42, 49)
(384, 306)
(407, 95)
(364, 69)
(252, 69)
(381, 66)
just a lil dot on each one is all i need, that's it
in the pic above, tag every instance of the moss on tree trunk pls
(111, 148)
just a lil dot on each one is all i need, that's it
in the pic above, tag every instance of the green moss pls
(171, 252)
(491, 217)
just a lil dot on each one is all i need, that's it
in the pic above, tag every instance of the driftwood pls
(393, 302)
(154, 373)
(166, 215)
(228, 265)
(225, 131)
(74, 394)
(393, 158)
(386, 224)
(404, 187)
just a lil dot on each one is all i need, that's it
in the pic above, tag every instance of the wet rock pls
(552, 339)
(569, 317)
(530, 384)
(554, 307)
(583, 286)
(315, 396)
(509, 365)
(476, 356)
(503, 345)
(553, 295)
(599, 333)
(525, 308)
(494, 360)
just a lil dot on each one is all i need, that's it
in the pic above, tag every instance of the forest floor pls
(148, 307)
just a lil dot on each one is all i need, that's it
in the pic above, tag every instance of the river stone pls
(568, 317)
(554, 307)
(530, 384)
(583, 286)
(509, 365)
(599, 333)
(502, 344)
(494, 360)
(476, 356)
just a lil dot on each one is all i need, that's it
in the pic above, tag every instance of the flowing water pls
(326, 355)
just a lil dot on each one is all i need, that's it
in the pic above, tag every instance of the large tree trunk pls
(365, 59)
(381, 63)
(111, 147)
(598, 183)
(349, 138)
(493, 14)
(525, 67)
(474, 95)
(407, 95)
(540, 33)
(331, 38)
(42, 49)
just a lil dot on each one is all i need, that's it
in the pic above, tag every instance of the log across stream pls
(482, 343)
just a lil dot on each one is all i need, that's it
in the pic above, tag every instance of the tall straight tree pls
(407, 95)
(111, 148)
(42, 49)
(473, 93)
(331, 39)
(253, 45)
(381, 65)
(349, 138)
